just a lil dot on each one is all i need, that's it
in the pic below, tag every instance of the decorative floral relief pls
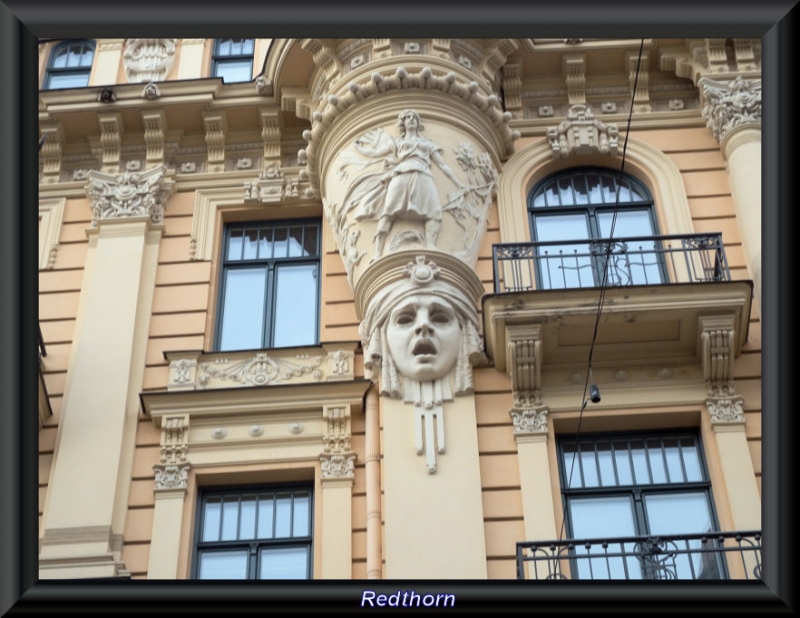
(338, 466)
(260, 370)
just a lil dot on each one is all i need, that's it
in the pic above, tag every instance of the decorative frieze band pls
(732, 104)
(198, 371)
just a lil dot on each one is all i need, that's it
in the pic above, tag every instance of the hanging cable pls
(595, 390)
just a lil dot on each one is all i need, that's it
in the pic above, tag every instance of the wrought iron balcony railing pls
(642, 260)
(712, 555)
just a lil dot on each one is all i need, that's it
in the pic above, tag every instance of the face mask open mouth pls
(424, 347)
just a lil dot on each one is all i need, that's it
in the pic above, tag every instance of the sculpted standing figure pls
(405, 189)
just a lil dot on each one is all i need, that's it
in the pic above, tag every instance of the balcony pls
(645, 260)
(663, 300)
(708, 556)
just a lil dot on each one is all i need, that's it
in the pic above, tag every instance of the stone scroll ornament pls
(396, 183)
(416, 331)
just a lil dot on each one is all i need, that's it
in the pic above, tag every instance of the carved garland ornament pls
(261, 370)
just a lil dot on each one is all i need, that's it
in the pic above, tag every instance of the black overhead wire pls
(602, 293)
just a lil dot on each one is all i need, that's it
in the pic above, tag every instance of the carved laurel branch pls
(261, 369)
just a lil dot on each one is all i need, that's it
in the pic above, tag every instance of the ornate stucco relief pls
(729, 105)
(116, 196)
(171, 476)
(198, 371)
(148, 60)
(391, 179)
(337, 457)
(717, 353)
(581, 133)
(419, 330)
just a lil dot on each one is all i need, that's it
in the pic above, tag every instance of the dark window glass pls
(233, 60)
(256, 533)
(70, 65)
(270, 285)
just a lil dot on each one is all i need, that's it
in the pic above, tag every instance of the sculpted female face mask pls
(423, 335)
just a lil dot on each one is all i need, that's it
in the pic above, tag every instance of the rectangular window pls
(254, 533)
(233, 59)
(270, 285)
(624, 491)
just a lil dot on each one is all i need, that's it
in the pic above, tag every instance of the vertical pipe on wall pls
(373, 481)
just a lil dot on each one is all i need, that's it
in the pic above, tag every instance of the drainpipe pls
(372, 468)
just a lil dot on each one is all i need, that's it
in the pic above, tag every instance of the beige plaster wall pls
(183, 318)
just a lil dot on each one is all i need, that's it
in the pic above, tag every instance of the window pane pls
(301, 525)
(222, 565)
(589, 465)
(579, 186)
(609, 185)
(595, 191)
(603, 517)
(296, 305)
(211, 519)
(623, 461)
(235, 244)
(250, 244)
(235, 70)
(243, 309)
(311, 240)
(224, 47)
(565, 191)
(230, 518)
(572, 470)
(265, 243)
(606, 462)
(656, 456)
(283, 563)
(266, 506)
(295, 241)
(551, 194)
(684, 513)
(564, 266)
(640, 469)
(247, 520)
(68, 80)
(60, 59)
(283, 515)
(691, 460)
(674, 465)
(280, 242)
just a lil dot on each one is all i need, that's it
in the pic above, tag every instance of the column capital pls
(730, 104)
(129, 194)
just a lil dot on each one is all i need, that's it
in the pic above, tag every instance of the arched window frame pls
(77, 74)
(644, 161)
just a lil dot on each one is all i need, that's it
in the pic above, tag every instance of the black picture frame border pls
(23, 22)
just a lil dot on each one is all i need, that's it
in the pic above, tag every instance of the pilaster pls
(96, 436)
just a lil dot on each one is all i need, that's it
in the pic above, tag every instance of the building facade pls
(400, 308)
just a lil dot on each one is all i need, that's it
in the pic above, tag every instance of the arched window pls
(69, 65)
(574, 212)
(233, 60)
